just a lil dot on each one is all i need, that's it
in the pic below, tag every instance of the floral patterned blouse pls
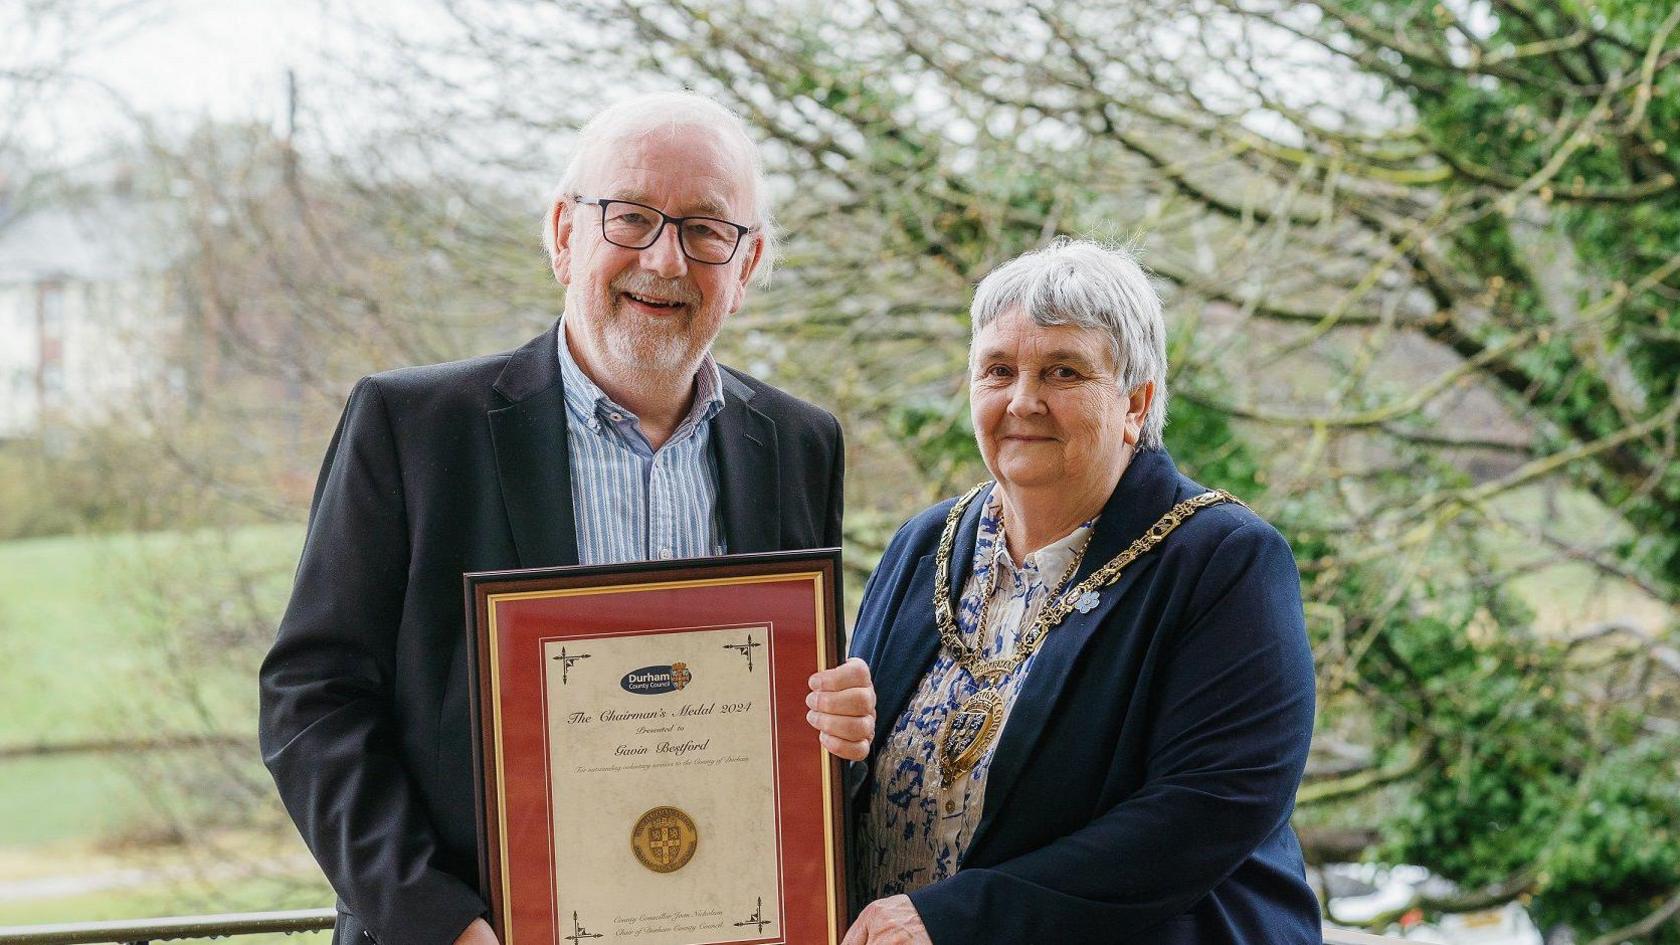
(917, 829)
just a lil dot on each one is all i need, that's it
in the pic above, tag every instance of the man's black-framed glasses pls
(632, 225)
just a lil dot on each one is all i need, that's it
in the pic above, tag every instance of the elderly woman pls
(1095, 691)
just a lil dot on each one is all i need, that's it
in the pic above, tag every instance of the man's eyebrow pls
(709, 206)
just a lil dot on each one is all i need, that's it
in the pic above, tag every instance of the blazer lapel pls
(533, 464)
(1033, 706)
(1148, 488)
(917, 644)
(909, 649)
(749, 478)
(913, 641)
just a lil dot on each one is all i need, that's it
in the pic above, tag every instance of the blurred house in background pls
(88, 310)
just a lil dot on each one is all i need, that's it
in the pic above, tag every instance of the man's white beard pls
(649, 344)
(637, 342)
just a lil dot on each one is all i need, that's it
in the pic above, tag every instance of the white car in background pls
(1359, 892)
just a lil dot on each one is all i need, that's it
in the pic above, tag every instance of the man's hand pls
(890, 921)
(842, 704)
(478, 933)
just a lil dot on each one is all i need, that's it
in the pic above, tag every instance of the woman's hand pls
(890, 921)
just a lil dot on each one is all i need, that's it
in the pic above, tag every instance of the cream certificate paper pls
(661, 771)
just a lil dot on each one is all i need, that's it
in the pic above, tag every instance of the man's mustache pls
(674, 290)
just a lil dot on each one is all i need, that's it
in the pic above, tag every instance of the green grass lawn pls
(86, 626)
(180, 897)
(127, 637)
(66, 797)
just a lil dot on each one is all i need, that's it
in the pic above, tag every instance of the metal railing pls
(139, 931)
(126, 931)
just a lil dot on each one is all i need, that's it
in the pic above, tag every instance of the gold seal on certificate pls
(664, 839)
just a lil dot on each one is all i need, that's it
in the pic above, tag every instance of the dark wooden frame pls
(481, 587)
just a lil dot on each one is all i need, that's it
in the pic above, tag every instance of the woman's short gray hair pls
(1089, 285)
(668, 111)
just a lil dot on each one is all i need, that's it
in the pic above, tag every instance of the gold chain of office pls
(970, 729)
(1057, 608)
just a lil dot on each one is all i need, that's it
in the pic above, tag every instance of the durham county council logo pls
(653, 680)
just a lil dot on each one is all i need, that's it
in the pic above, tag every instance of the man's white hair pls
(669, 112)
(1089, 285)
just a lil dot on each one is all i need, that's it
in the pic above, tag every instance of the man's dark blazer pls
(1142, 786)
(435, 471)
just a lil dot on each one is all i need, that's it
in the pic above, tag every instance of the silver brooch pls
(1087, 602)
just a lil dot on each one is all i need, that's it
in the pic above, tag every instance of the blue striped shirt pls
(631, 502)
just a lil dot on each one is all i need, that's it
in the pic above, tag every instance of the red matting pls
(515, 613)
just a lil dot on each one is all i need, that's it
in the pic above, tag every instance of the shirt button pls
(665, 553)
(616, 417)
(950, 807)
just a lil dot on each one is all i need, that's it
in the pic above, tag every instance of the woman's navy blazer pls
(1142, 788)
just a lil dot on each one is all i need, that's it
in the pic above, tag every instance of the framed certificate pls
(645, 771)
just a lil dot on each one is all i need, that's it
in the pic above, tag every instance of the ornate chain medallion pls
(969, 731)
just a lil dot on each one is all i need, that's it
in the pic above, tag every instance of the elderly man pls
(611, 437)
(1096, 690)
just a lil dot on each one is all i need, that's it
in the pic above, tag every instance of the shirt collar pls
(1047, 563)
(585, 398)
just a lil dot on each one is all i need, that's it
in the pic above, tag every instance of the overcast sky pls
(221, 57)
(180, 61)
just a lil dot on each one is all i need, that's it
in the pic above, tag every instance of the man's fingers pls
(849, 727)
(842, 703)
(859, 701)
(849, 750)
(852, 674)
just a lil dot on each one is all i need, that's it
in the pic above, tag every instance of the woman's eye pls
(1063, 373)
